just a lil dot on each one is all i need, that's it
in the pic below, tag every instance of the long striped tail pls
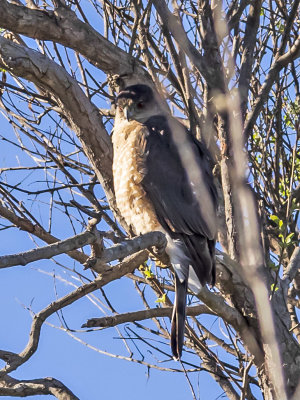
(178, 318)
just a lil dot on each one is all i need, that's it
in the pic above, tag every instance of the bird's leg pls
(161, 259)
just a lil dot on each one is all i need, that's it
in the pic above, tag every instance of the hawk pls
(163, 181)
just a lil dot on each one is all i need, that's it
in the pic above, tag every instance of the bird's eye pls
(140, 105)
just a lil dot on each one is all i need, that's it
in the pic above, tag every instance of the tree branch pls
(46, 252)
(82, 114)
(108, 275)
(63, 26)
(247, 57)
(23, 388)
(107, 322)
(291, 270)
(174, 25)
(35, 229)
(280, 61)
(126, 248)
(119, 251)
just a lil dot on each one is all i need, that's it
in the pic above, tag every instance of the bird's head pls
(137, 102)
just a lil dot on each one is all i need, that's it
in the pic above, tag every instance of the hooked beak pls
(127, 113)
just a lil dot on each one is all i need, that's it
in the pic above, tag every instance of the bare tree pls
(230, 71)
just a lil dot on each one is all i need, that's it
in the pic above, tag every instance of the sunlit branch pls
(110, 321)
(45, 386)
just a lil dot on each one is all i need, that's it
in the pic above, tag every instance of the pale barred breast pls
(136, 209)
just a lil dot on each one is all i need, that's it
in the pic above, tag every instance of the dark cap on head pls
(136, 93)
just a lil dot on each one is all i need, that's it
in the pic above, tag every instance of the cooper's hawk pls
(163, 181)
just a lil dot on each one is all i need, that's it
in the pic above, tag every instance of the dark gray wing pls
(172, 195)
(175, 199)
(167, 183)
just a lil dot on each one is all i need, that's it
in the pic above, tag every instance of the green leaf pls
(278, 222)
(147, 272)
(273, 266)
(161, 299)
(274, 218)
(294, 205)
(288, 239)
(280, 27)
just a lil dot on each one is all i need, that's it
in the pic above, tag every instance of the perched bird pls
(163, 181)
